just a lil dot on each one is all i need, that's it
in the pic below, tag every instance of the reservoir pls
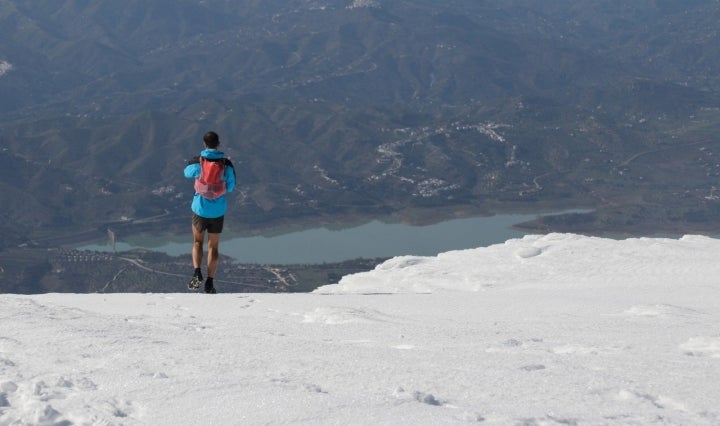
(373, 239)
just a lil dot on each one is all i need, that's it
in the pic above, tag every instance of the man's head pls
(211, 139)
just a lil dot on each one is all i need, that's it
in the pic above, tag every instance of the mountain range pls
(340, 108)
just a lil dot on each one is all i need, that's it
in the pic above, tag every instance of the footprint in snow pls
(532, 367)
(6, 362)
(658, 401)
(248, 303)
(514, 345)
(34, 402)
(425, 398)
(702, 346)
(6, 388)
(528, 252)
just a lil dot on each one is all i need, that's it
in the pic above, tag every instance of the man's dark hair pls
(211, 139)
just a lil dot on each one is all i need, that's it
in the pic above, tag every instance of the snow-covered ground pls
(556, 329)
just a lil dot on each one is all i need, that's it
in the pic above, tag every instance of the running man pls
(214, 177)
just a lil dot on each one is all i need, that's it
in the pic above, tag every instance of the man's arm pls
(192, 170)
(229, 175)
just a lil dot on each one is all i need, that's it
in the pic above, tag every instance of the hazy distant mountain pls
(356, 106)
(110, 57)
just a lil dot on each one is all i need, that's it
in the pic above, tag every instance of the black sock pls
(209, 282)
(198, 273)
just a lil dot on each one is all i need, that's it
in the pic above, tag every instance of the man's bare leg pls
(213, 254)
(197, 255)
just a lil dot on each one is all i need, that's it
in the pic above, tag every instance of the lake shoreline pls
(409, 216)
(337, 242)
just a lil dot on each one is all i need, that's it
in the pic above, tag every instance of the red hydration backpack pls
(210, 184)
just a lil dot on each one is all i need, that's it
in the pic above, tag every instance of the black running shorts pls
(212, 226)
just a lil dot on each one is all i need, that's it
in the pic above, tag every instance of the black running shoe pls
(209, 288)
(194, 283)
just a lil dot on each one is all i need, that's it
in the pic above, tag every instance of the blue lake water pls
(374, 239)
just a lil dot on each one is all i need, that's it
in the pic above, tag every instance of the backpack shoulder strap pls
(216, 160)
(229, 163)
(194, 160)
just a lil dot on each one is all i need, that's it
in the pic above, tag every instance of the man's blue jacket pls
(201, 206)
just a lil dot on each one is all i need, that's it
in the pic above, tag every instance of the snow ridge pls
(556, 260)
